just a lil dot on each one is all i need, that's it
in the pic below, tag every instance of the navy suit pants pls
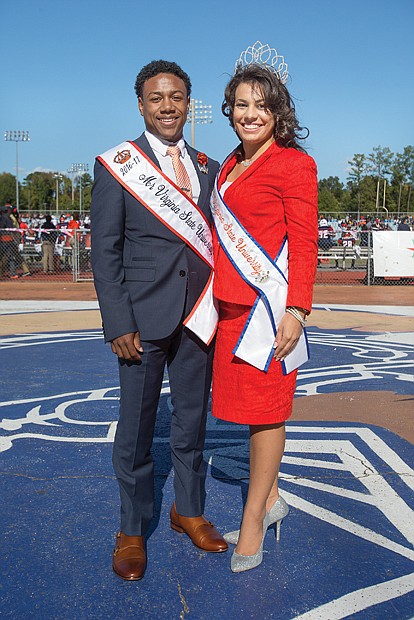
(189, 365)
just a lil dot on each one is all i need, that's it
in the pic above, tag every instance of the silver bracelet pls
(295, 312)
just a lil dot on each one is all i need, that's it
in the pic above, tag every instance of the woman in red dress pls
(270, 185)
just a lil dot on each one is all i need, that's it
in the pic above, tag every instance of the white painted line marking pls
(359, 600)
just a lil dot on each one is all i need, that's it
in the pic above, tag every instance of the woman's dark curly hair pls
(276, 99)
(156, 67)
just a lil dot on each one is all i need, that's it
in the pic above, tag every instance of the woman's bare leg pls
(267, 443)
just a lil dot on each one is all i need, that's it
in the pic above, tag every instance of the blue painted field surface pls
(346, 548)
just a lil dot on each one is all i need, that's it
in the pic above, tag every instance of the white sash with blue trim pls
(269, 278)
(129, 165)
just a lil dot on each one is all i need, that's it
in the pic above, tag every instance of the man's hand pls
(287, 337)
(128, 347)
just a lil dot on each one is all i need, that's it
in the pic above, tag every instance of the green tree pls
(327, 201)
(356, 173)
(8, 188)
(347, 204)
(85, 181)
(380, 161)
(333, 185)
(65, 203)
(398, 178)
(41, 186)
(66, 186)
(402, 171)
(368, 189)
(410, 185)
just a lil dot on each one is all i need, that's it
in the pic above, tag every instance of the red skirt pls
(242, 393)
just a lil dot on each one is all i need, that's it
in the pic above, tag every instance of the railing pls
(55, 254)
(82, 268)
(346, 260)
(354, 263)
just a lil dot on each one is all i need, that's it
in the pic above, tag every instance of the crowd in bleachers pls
(351, 233)
(347, 231)
(47, 239)
(51, 236)
(339, 226)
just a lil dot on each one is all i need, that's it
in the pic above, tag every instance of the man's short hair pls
(156, 67)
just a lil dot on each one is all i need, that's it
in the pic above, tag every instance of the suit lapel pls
(144, 145)
(202, 177)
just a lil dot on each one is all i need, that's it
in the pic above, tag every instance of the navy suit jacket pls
(144, 274)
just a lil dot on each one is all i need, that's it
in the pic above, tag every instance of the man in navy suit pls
(148, 279)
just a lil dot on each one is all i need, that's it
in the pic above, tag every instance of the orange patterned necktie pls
(181, 174)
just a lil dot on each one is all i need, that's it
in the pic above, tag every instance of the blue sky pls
(68, 71)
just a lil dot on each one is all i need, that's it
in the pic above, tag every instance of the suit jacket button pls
(182, 273)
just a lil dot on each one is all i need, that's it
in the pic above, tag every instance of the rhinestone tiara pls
(262, 54)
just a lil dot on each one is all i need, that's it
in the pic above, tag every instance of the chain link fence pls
(346, 250)
(65, 256)
(42, 254)
(346, 260)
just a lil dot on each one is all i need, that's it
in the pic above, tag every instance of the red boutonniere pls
(202, 161)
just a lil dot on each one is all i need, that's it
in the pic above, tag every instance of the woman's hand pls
(287, 337)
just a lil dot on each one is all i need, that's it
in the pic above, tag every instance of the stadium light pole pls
(17, 136)
(82, 169)
(58, 178)
(78, 169)
(200, 114)
(71, 171)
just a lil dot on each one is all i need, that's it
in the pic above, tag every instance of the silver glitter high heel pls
(240, 563)
(277, 513)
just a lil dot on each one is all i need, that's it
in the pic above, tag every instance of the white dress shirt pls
(160, 149)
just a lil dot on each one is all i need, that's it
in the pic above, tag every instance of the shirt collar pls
(160, 146)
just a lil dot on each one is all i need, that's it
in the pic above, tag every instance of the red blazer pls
(277, 195)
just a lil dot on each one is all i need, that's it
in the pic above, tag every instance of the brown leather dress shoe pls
(202, 533)
(129, 559)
